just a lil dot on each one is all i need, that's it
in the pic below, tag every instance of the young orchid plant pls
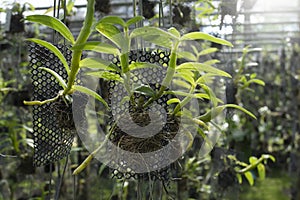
(72, 70)
(120, 45)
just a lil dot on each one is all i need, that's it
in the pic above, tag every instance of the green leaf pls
(60, 79)
(174, 31)
(249, 178)
(91, 93)
(187, 55)
(98, 63)
(211, 114)
(173, 100)
(185, 94)
(113, 20)
(145, 90)
(211, 62)
(154, 35)
(261, 171)
(159, 41)
(134, 20)
(203, 68)
(205, 36)
(111, 32)
(208, 51)
(141, 65)
(53, 23)
(186, 75)
(202, 96)
(267, 156)
(239, 178)
(181, 83)
(241, 109)
(200, 123)
(53, 49)
(106, 75)
(70, 6)
(97, 47)
(210, 93)
(257, 81)
(252, 160)
(147, 30)
(253, 75)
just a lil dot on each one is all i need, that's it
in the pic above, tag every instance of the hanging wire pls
(170, 14)
(50, 182)
(74, 187)
(160, 14)
(60, 178)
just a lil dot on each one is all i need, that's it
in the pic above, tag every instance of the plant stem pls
(82, 38)
(169, 76)
(184, 101)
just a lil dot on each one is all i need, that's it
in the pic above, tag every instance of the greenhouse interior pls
(150, 100)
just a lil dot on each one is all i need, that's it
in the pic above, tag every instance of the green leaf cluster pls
(246, 169)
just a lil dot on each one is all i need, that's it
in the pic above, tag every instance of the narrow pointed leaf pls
(208, 51)
(134, 20)
(261, 170)
(174, 31)
(91, 93)
(154, 35)
(97, 47)
(53, 23)
(267, 156)
(241, 109)
(211, 62)
(239, 178)
(257, 81)
(205, 36)
(173, 100)
(249, 178)
(113, 20)
(111, 32)
(98, 63)
(54, 50)
(147, 31)
(252, 160)
(203, 68)
(185, 94)
(106, 75)
(186, 75)
(181, 83)
(60, 79)
(213, 98)
(187, 55)
(141, 65)
(145, 90)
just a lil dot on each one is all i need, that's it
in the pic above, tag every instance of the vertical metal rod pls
(170, 14)
(141, 24)
(53, 32)
(159, 13)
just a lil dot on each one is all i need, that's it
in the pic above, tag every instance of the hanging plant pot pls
(228, 7)
(53, 126)
(148, 9)
(181, 14)
(102, 6)
(133, 126)
(14, 22)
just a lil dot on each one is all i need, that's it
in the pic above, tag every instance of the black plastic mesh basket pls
(53, 126)
(145, 76)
